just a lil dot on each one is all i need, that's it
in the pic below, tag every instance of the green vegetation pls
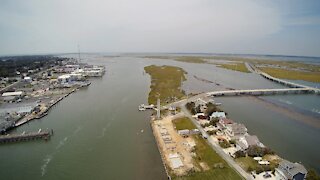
(254, 151)
(165, 83)
(312, 175)
(236, 67)
(10, 65)
(292, 74)
(211, 108)
(224, 144)
(191, 59)
(249, 164)
(281, 69)
(191, 107)
(183, 123)
(218, 168)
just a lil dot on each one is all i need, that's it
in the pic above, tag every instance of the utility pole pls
(158, 108)
(78, 53)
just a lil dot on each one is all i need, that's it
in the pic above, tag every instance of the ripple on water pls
(46, 161)
(62, 142)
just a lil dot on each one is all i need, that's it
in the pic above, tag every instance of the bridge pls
(252, 68)
(259, 92)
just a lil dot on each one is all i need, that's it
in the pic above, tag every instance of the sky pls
(286, 27)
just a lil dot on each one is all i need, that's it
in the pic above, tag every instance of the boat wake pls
(62, 142)
(316, 110)
(285, 101)
(45, 164)
(79, 128)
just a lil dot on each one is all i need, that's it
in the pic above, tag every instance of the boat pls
(142, 107)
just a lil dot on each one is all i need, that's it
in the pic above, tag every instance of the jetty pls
(143, 107)
(10, 138)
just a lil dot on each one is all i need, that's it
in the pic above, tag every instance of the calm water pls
(97, 134)
(98, 129)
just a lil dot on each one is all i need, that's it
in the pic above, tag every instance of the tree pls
(254, 151)
(211, 108)
(198, 109)
(224, 144)
(191, 107)
(239, 154)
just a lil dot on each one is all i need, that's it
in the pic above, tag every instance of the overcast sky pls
(286, 27)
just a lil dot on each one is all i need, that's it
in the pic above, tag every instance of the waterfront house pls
(290, 171)
(218, 115)
(235, 130)
(223, 122)
(202, 102)
(244, 142)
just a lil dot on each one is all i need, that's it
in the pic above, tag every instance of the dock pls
(11, 138)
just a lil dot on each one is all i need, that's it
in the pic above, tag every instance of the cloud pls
(304, 21)
(135, 26)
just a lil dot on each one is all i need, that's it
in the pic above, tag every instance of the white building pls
(218, 115)
(16, 93)
(66, 78)
(27, 79)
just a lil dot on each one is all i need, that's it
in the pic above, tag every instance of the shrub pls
(239, 154)
(224, 144)
(254, 151)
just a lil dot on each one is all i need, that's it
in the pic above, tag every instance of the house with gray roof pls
(235, 130)
(290, 171)
(244, 142)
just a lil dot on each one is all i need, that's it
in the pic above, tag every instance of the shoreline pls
(44, 113)
(158, 146)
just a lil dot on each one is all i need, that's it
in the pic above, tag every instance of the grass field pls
(236, 67)
(249, 164)
(190, 59)
(206, 154)
(291, 74)
(166, 83)
(183, 123)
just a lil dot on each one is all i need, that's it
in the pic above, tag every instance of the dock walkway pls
(26, 136)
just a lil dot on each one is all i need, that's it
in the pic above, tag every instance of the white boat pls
(142, 107)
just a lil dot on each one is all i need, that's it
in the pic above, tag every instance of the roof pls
(252, 140)
(238, 128)
(184, 131)
(17, 93)
(176, 162)
(64, 76)
(226, 121)
(290, 169)
(8, 98)
(218, 114)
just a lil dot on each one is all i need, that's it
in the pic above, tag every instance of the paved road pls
(217, 148)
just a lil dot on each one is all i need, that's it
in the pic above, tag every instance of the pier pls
(10, 138)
